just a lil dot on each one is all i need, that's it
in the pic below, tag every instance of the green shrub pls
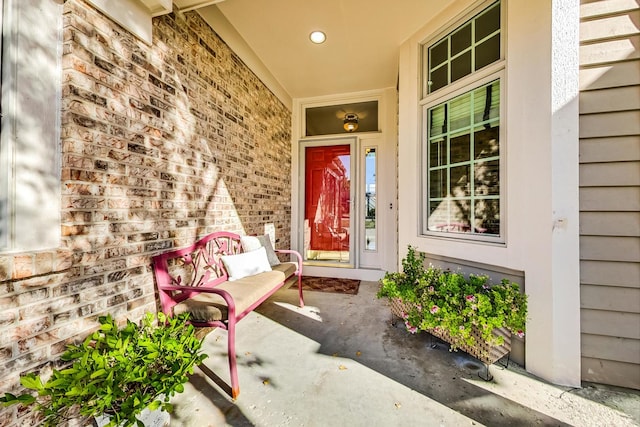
(117, 372)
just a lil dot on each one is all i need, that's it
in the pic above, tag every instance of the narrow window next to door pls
(370, 203)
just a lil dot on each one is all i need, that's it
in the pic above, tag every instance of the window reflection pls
(464, 163)
(327, 203)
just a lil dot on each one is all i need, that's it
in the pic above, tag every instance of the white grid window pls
(464, 163)
(468, 48)
(462, 113)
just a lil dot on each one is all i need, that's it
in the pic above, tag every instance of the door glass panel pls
(370, 229)
(327, 203)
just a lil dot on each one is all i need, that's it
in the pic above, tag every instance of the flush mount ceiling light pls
(350, 122)
(317, 37)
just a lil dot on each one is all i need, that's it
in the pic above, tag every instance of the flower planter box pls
(486, 353)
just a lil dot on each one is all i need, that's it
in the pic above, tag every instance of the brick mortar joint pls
(60, 262)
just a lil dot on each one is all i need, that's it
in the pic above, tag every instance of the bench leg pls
(233, 363)
(300, 291)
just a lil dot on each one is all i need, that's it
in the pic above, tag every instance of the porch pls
(121, 148)
(340, 362)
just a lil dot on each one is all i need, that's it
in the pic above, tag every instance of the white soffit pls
(187, 5)
(134, 15)
(158, 7)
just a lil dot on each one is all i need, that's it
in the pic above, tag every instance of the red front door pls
(327, 198)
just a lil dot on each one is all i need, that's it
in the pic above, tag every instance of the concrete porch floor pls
(339, 362)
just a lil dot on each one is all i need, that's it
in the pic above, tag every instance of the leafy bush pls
(117, 372)
(443, 300)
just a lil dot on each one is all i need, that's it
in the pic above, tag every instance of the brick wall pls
(160, 144)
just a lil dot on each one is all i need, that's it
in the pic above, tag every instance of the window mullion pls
(449, 60)
(448, 158)
(473, 45)
(472, 159)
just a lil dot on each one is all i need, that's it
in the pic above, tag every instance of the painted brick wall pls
(160, 144)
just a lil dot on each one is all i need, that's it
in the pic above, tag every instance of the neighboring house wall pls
(160, 144)
(610, 192)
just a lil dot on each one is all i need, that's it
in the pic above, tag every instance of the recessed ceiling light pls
(317, 37)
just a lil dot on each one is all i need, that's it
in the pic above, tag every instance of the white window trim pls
(424, 158)
(30, 190)
(327, 101)
(466, 84)
(451, 27)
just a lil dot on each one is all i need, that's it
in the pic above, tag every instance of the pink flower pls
(434, 309)
(404, 315)
(520, 334)
(410, 328)
(471, 298)
(431, 289)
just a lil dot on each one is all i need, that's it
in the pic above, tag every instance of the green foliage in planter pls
(449, 301)
(117, 372)
(406, 284)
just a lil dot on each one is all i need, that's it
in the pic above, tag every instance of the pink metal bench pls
(194, 280)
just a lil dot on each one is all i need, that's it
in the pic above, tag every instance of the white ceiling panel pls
(360, 53)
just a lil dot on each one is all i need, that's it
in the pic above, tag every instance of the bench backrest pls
(197, 265)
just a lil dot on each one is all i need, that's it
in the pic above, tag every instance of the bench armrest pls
(296, 253)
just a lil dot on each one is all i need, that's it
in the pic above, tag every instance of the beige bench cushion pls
(288, 268)
(206, 307)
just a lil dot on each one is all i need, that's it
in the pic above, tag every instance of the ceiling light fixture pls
(317, 37)
(350, 122)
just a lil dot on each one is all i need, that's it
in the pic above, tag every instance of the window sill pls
(23, 265)
(465, 238)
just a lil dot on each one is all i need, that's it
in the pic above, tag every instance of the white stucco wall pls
(541, 181)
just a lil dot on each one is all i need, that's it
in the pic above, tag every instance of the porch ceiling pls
(362, 46)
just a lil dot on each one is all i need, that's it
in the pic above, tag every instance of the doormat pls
(329, 284)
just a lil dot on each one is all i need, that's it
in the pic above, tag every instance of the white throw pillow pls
(251, 243)
(246, 264)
